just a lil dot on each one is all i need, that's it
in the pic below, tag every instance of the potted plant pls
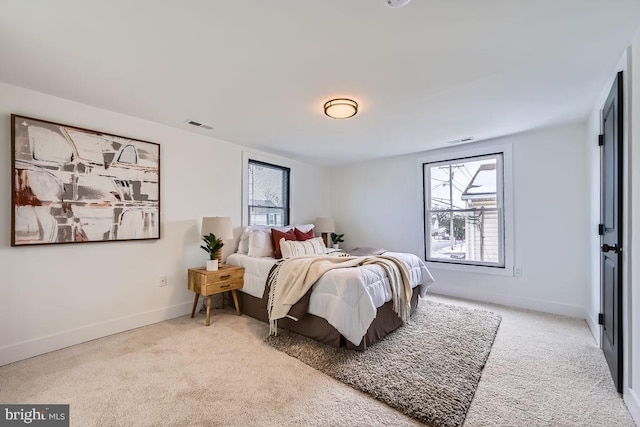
(212, 245)
(336, 239)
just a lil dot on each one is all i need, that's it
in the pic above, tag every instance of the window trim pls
(268, 160)
(499, 201)
(478, 149)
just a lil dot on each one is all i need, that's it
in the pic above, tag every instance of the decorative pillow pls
(260, 243)
(303, 227)
(313, 246)
(243, 244)
(301, 236)
(277, 235)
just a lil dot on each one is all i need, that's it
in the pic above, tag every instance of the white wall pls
(377, 203)
(55, 296)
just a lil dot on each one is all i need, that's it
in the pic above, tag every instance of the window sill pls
(476, 269)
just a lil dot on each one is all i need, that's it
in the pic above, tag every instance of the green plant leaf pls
(337, 238)
(212, 244)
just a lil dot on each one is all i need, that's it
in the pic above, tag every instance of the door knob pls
(612, 248)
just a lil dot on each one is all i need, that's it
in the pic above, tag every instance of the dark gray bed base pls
(319, 329)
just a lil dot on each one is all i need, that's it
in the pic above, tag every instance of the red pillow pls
(276, 235)
(301, 237)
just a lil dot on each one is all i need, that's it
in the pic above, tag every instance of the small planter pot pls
(212, 264)
(336, 246)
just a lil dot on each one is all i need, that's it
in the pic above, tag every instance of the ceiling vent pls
(198, 124)
(461, 141)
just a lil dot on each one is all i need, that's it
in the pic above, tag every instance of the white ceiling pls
(259, 71)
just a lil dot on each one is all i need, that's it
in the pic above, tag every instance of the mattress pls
(347, 298)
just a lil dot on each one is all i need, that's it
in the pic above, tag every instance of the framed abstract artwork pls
(72, 185)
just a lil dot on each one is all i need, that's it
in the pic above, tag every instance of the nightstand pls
(207, 283)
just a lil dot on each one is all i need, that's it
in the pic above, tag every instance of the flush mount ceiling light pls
(340, 108)
(397, 3)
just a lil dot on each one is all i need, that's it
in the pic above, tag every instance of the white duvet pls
(346, 297)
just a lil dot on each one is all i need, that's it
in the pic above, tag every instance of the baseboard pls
(633, 404)
(593, 326)
(514, 301)
(26, 349)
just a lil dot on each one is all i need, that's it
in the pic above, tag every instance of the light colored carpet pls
(543, 370)
(428, 370)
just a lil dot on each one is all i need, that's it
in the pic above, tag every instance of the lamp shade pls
(325, 225)
(218, 225)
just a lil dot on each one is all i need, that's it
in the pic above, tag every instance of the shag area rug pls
(429, 369)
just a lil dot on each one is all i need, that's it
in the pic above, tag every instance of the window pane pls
(475, 237)
(463, 207)
(268, 194)
(266, 216)
(450, 181)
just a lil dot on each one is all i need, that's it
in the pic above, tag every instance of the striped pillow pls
(292, 248)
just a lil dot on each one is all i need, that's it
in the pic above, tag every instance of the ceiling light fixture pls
(340, 108)
(397, 3)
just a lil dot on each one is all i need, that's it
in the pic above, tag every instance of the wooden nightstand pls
(207, 283)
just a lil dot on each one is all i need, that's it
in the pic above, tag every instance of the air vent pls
(198, 124)
(461, 141)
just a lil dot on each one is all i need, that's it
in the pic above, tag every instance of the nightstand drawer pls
(223, 286)
(225, 274)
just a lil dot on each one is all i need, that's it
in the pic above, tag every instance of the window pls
(268, 194)
(464, 215)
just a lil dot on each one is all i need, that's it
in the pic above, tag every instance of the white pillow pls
(313, 246)
(243, 244)
(260, 244)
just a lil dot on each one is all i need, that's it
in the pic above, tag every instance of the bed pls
(347, 307)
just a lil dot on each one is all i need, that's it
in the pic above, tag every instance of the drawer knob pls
(224, 286)
(225, 277)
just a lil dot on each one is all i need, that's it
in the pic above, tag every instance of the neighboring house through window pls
(268, 194)
(468, 209)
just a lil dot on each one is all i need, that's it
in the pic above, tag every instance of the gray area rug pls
(428, 369)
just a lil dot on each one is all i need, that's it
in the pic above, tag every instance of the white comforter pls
(348, 297)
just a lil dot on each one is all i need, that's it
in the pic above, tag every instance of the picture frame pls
(75, 185)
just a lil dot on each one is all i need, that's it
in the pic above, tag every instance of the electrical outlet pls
(163, 280)
(517, 271)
